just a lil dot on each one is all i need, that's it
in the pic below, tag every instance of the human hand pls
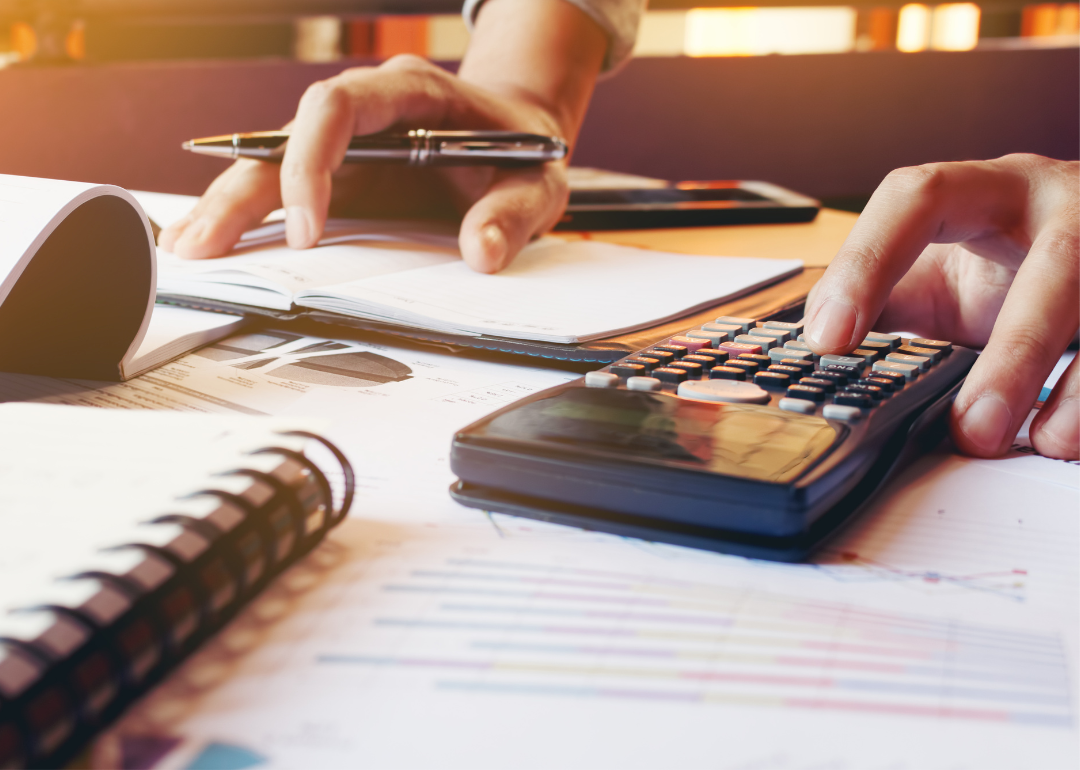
(984, 254)
(530, 67)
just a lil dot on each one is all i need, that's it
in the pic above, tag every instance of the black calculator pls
(733, 437)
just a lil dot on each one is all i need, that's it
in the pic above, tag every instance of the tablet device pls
(685, 204)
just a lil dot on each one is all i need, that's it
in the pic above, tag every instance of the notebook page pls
(263, 271)
(555, 291)
(174, 331)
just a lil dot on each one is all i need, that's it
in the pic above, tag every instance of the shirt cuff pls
(618, 18)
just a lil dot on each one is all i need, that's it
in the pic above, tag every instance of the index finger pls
(358, 101)
(912, 208)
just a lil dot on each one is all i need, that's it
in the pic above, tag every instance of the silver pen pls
(418, 147)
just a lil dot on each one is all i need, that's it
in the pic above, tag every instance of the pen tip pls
(187, 145)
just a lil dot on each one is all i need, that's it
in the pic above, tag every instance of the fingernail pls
(832, 326)
(493, 244)
(985, 422)
(298, 228)
(1064, 425)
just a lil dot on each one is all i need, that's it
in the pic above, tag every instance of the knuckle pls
(325, 94)
(924, 181)
(409, 63)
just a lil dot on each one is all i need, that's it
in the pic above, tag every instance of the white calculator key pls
(800, 405)
(728, 391)
(858, 363)
(601, 380)
(838, 412)
(746, 324)
(643, 383)
(714, 338)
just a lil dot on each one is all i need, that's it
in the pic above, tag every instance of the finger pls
(1055, 431)
(237, 200)
(518, 206)
(912, 208)
(404, 90)
(1038, 319)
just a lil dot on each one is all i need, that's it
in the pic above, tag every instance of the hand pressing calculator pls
(733, 437)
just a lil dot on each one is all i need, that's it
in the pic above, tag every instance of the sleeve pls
(618, 18)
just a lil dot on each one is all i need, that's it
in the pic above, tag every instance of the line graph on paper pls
(487, 627)
(853, 567)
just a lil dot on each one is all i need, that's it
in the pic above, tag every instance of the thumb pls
(517, 206)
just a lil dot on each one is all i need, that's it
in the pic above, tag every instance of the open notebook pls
(127, 538)
(411, 275)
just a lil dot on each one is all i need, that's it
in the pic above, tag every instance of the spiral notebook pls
(127, 538)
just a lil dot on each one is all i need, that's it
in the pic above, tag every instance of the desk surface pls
(813, 242)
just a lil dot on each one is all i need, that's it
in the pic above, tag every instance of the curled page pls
(77, 278)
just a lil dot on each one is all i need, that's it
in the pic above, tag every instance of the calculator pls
(733, 437)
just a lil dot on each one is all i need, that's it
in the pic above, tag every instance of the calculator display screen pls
(743, 440)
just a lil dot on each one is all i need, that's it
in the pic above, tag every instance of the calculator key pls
(736, 348)
(892, 340)
(942, 345)
(842, 361)
(718, 356)
(772, 380)
(800, 405)
(624, 369)
(676, 350)
(885, 384)
(778, 354)
(868, 355)
(670, 374)
(851, 372)
(760, 360)
(644, 383)
(663, 356)
(704, 361)
(801, 346)
(601, 380)
(793, 372)
(838, 379)
(750, 367)
(727, 373)
(689, 343)
(912, 350)
(922, 362)
(692, 369)
(880, 347)
(860, 400)
(746, 324)
(838, 412)
(779, 335)
(795, 328)
(897, 380)
(752, 339)
(730, 330)
(806, 367)
(726, 391)
(909, 371)
(647, 362)
(819, 382)
(875, 392)
(712, 338)
(807, 392)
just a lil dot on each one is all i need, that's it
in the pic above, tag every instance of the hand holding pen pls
(504, 84)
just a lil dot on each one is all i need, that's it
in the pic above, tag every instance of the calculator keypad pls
(738, 360)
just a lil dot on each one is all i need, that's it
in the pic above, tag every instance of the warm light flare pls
(955, 27)
(913, 28)
(760, 31)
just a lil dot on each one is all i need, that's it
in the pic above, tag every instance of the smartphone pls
(686, 204)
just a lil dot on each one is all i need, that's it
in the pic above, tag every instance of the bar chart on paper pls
(489, 627)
